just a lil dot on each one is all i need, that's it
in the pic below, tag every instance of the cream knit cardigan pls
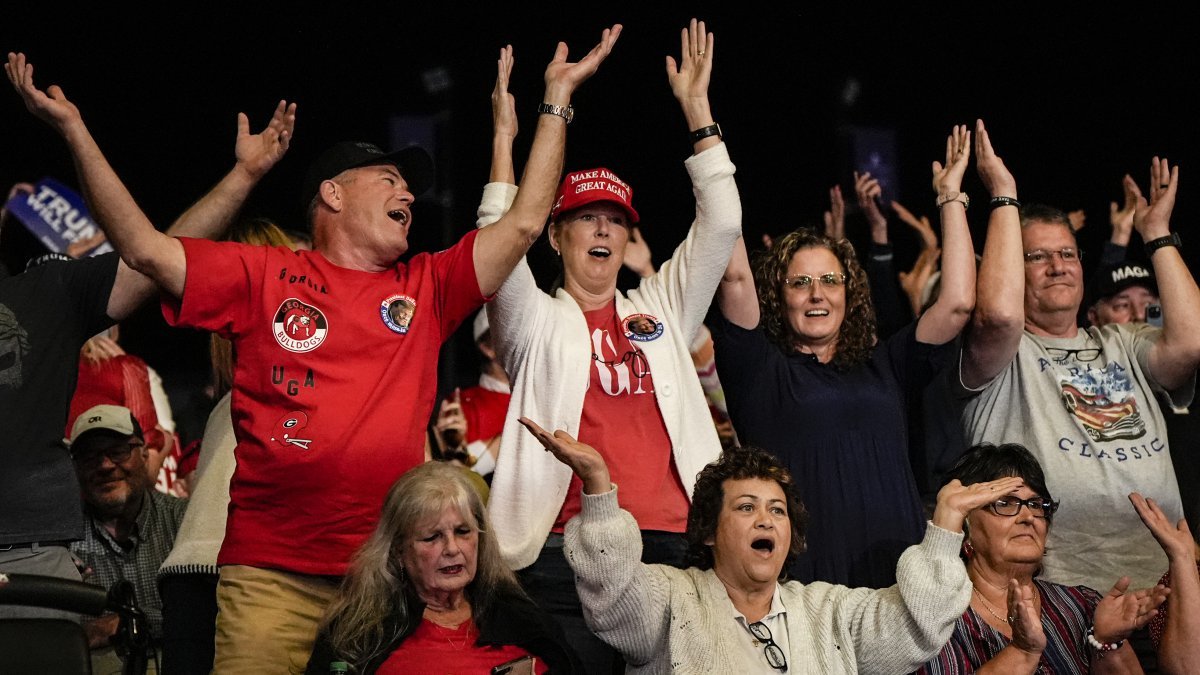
(667, 620)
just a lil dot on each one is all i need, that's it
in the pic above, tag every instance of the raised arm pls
(999, 319)
(1179, 649)
(157, 255)
(946, 317)
(1174, 357)
(500, 246)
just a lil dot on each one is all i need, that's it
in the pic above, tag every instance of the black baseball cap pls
(413, 163)
(1116, 277)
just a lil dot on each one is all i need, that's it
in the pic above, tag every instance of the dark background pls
(1073, 100)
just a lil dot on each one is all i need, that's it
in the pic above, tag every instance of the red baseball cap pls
(581, 188)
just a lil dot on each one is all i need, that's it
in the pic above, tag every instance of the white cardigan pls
(542, 341)
(667, 620)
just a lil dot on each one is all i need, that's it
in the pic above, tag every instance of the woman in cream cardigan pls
(730, 611)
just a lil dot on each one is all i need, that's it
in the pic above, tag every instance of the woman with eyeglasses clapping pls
(1016, 622)
(809, 381)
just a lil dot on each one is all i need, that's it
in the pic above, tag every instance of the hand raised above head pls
(563, 77)
(51, 106)
(504, 105)
(1175, 538)
(948, 177)
(869, 190)
(835, 217)
(1153, 219)
(257, 153)
(582, 458)
(689, 77)
(996, 177)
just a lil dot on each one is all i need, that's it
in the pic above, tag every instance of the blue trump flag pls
(57, 216)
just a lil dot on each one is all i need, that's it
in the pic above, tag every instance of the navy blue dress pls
(843, 436)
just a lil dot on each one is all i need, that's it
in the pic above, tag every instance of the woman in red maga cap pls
(613, 369)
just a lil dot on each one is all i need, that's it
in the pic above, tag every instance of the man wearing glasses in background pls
(1081, 399)
(129, 527)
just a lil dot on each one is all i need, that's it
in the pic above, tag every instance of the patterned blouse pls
(1066, 616)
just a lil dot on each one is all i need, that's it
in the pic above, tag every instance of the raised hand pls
(948, 177)
(1153, 219)
(1120, 612)
(955, 500)
(868, 190)
(689, 76)
(581, 457)
(996, 177)
(257, 153)
(1175, 539)
(562, 76)
(1121, 218)
(451, 424)
(914, 281)
(1025, 617)
(51, 106)
(504, 106)
(835, 217)
(637, 254)
(922, 225)
(1077, 219)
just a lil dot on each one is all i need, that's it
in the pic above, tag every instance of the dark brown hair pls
(709, 497)
(856, 337)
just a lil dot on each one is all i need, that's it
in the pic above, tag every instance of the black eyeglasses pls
(1059, 355)
(635, 358)
(117, 453)
(775, 655)
(1011, 506)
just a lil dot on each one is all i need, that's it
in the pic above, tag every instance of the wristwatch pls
(952, 196)
(1169, 240)
(567, 112)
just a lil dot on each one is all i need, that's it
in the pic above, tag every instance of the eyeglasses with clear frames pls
(1041, 257)
(775, 655)
(801, 281)
(1011, 506)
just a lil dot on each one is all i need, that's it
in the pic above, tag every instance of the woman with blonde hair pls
(429, 592)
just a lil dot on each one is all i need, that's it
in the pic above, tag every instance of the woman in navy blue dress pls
(806, 378)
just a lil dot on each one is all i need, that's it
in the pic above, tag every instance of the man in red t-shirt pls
(336, 357)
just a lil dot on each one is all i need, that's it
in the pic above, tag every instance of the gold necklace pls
(444, 632)
(987, 605)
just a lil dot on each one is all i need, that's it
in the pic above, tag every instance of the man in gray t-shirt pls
(1083, 401)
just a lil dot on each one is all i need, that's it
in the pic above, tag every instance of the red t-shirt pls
(484, 411)
(434, 650)
(334, 381)
(622, 421)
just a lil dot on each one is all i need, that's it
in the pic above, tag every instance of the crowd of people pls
(786, 458)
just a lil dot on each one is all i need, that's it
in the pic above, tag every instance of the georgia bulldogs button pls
(299, 327)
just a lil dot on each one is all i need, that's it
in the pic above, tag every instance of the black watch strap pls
(704, 132)
(1169, 240)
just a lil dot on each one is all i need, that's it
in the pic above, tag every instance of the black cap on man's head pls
(1114, 278)
(414, 164)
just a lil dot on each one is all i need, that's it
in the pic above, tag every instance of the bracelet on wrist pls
(997, 202)
(953, 196)
(704, 132)
(1102, 648)
(567, 112)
